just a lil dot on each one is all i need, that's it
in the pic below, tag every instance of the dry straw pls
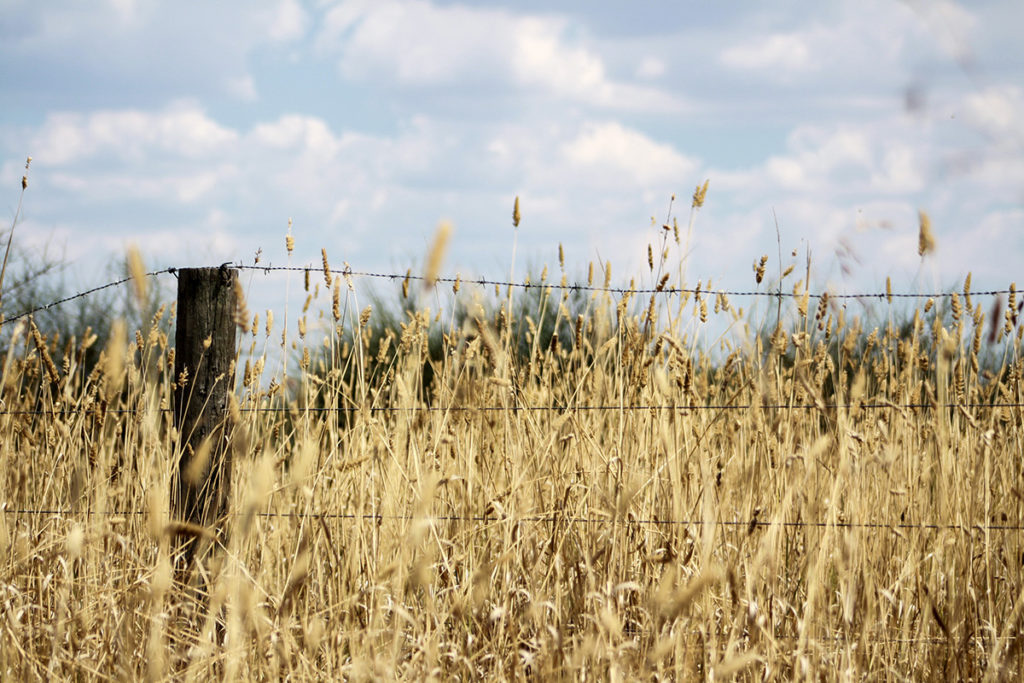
(138, 274)
(925, 238)
(699, 194)
(241, 315)
(435, 256)
(475, 502)
(326, 267)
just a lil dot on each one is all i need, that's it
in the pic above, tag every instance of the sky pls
(197, 130)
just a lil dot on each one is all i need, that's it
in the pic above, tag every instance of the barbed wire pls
(399, 277)
(556, 518)
(79, 295)
(524, 408)
(684, 407)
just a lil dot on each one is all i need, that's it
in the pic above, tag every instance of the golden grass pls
(532, 523)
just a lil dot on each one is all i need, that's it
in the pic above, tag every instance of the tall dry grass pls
(518, 517)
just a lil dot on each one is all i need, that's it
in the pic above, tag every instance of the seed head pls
(699, 194)
(336, 299)
(327, 268)
(138, 274)
(241, 312)
(925, 238)
(436, 254)
(801, 304)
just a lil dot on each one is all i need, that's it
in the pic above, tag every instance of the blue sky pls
(196, 130)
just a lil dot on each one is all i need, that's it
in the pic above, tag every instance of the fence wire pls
(396, 277)
(573, 287)
(751, 524)
(85, 293)
(522, 408)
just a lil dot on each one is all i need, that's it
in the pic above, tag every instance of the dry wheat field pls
(554, 484)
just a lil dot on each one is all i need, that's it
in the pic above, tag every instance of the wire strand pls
(625, 290)
(554, 518)
(554, 408)
(532, 285)
(87, 292)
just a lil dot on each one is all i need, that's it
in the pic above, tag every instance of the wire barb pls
(87, 292)
(573, 287)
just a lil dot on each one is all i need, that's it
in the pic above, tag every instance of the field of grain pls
(830, 498)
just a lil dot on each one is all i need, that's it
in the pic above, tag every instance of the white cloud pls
(539, 56)
(182, 130)
(581, 183)
(352, 185)
(650, 68)
(841, 44)
(819, 157)
(999, 112)
(299, 133)
(180, 187)
(413, 41)
(899, 171)
(130, 50)
(287, 21)
(126, 9)
(209, 238)
(621, 155)
(951, 25)
(838, 161)
(780, 52)
(419, 44)
(243, 87)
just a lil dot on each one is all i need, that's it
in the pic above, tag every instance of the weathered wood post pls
(204, 359)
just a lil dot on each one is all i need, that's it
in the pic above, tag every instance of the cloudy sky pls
(197, 129)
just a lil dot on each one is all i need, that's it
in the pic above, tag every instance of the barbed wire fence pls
(517, 408)
(573, 287)
(751, 524)
(79, 295)
(544, 285)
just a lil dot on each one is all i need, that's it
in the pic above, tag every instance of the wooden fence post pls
(205, 356)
